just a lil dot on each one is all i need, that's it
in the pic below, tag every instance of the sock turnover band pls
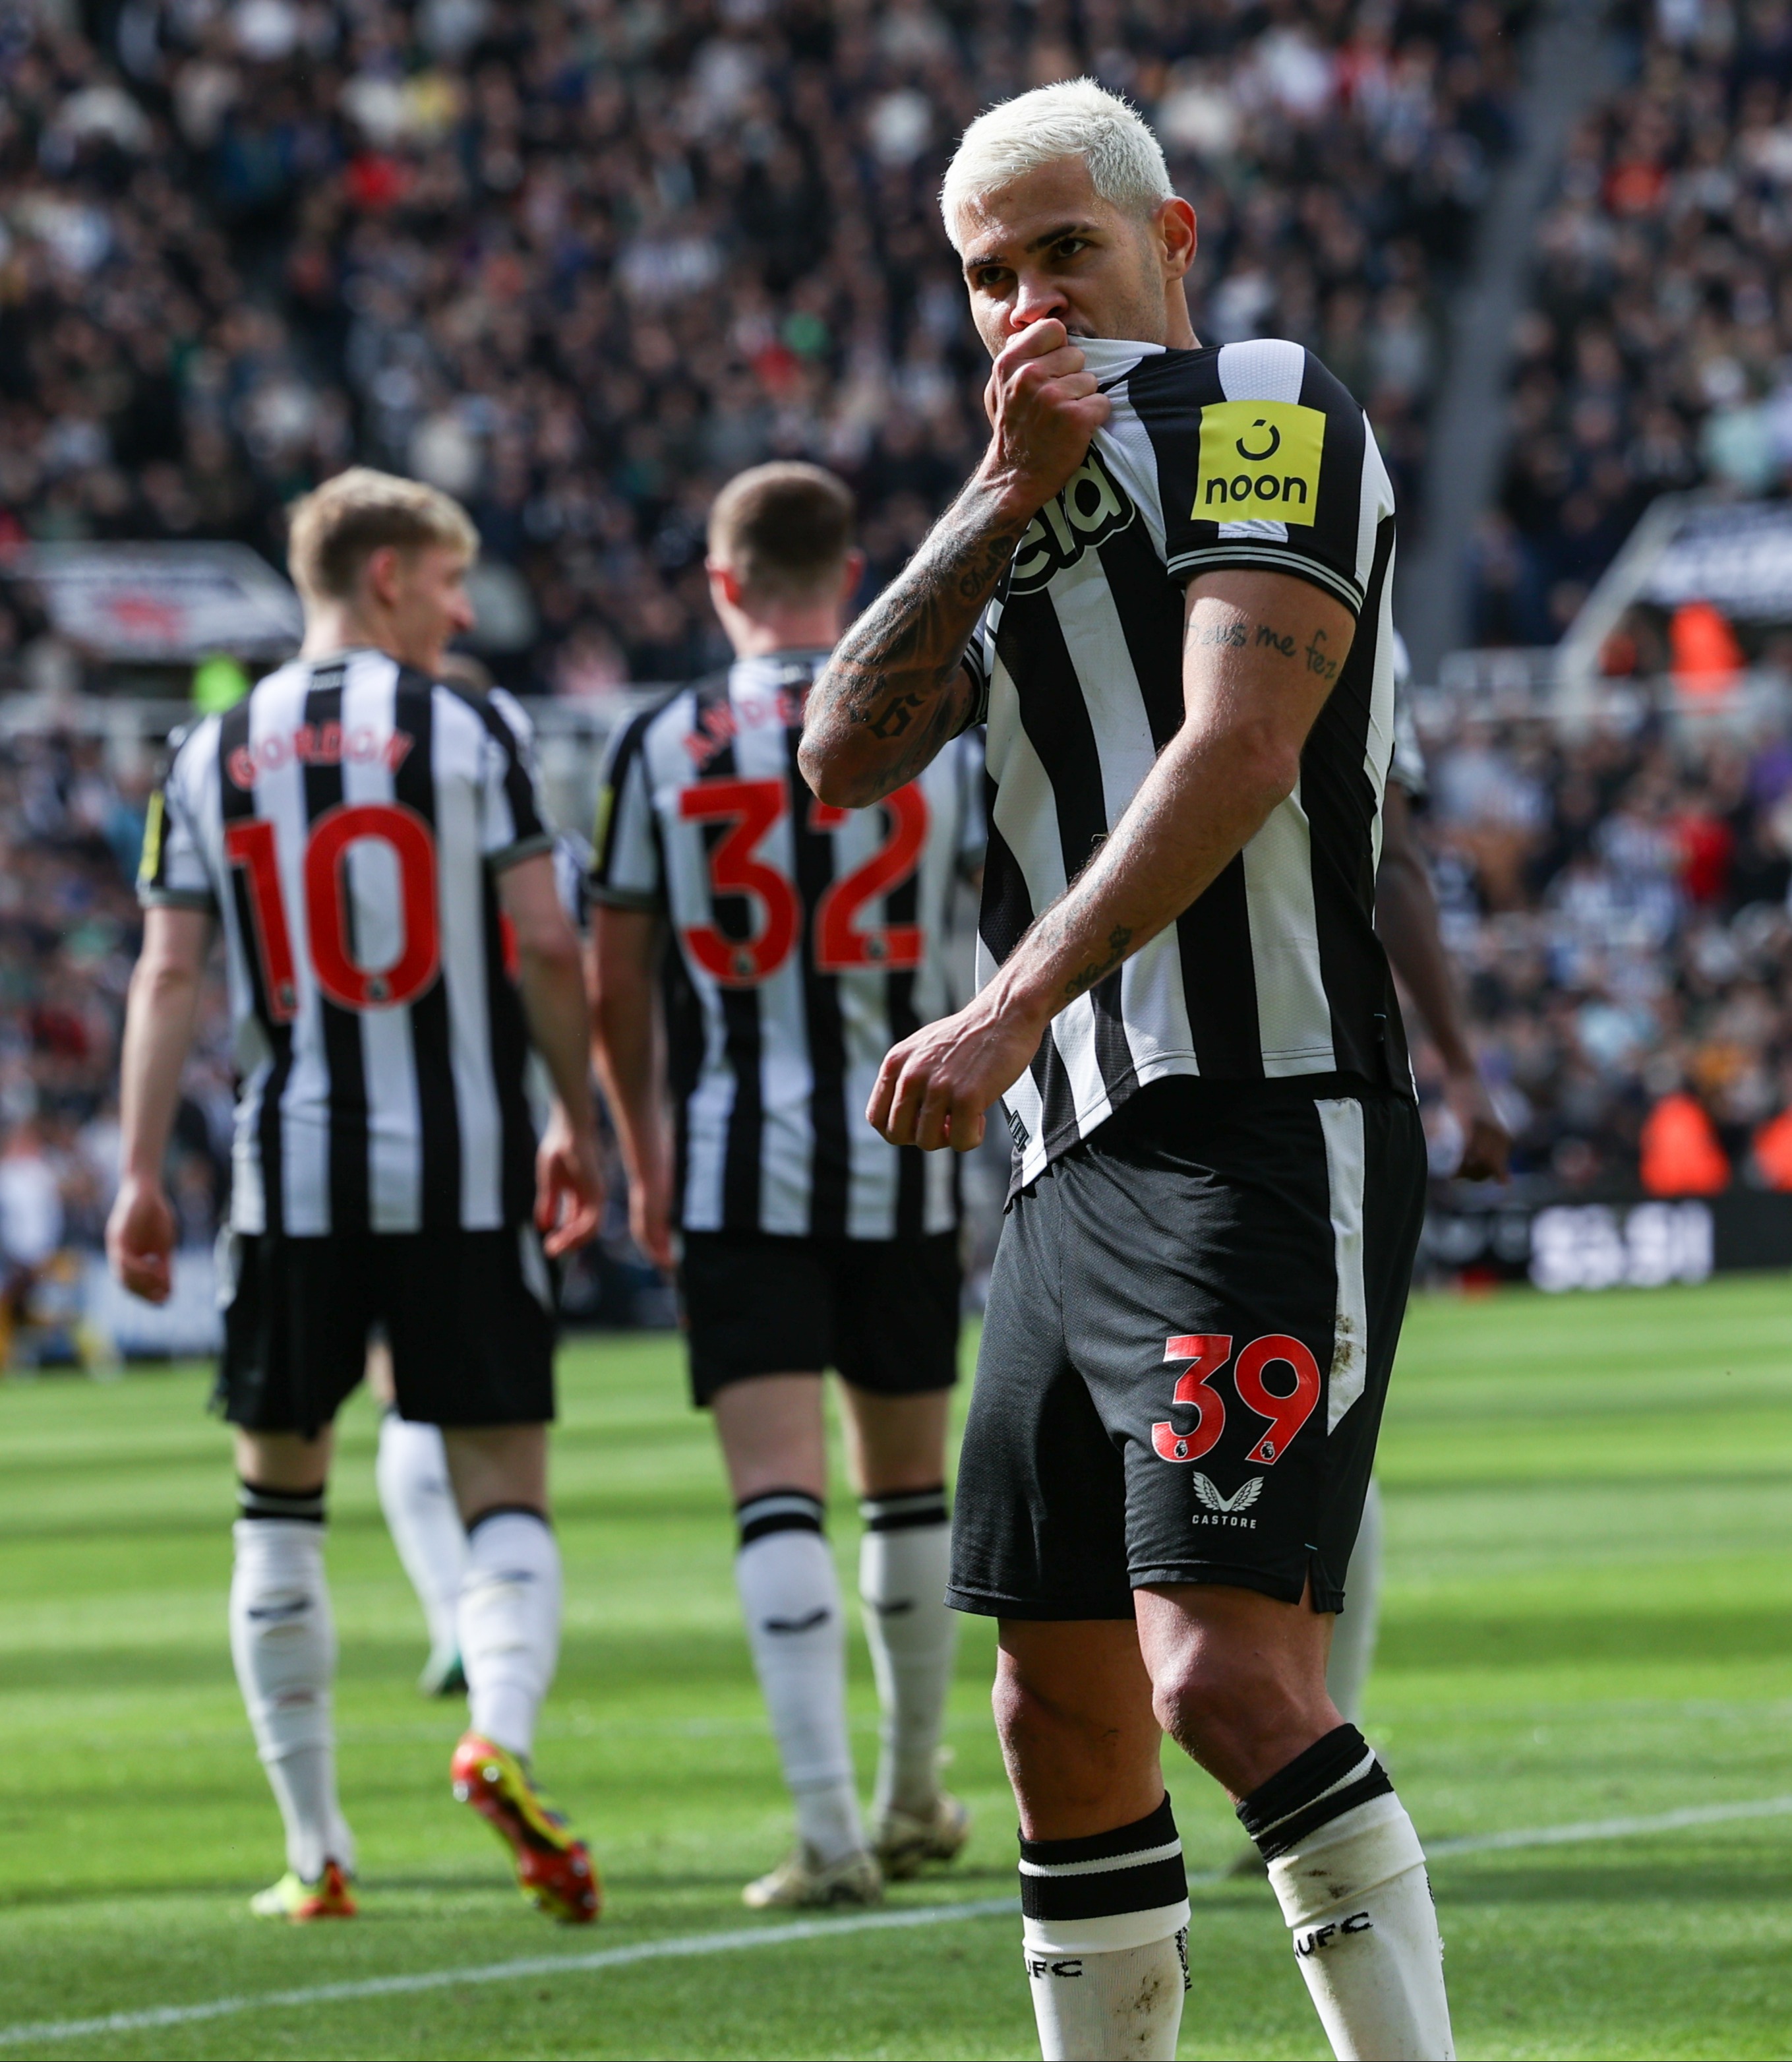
(1106, 1892)
(304, 1506)
(779, 1510)
(1334, 1775)
(904, 1510)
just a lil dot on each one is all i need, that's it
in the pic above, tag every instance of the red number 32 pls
(1209, 1352)
(751, 809)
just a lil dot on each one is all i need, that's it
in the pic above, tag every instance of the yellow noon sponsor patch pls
(1258, 458)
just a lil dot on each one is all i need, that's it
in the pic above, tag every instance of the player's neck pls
(816, 629)
(338, 626)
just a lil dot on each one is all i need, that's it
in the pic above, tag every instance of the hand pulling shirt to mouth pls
(1243, 454)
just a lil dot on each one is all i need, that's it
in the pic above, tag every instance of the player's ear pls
(725, 582)
(383, 576)
(1177, 234)
(853, 572)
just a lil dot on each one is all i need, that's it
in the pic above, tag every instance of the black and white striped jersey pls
(345, 822)
(1249, 455)
(807, 940)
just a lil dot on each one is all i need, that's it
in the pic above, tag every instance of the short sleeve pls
(627, 869)
(572, 867)
(515, 824)
(171, 873)
(979, 662)
(1264, 460)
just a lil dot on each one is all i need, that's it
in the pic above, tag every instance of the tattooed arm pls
(1261, 653)
(896, 687)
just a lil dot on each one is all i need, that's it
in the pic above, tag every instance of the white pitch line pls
(807, 1929)
(498, 1973)
(1610, 1829)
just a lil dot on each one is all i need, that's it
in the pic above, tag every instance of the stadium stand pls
(1653, 356)
(577, 263)
(1618, 905)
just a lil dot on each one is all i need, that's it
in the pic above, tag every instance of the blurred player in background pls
(1168, 586)
(795, 943)
(358, 827)
(411, 1471)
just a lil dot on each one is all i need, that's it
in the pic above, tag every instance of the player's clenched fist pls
(140, 1240)
(933, 1089)
(1044, 408)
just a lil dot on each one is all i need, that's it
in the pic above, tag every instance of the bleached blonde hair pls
(1074, 118)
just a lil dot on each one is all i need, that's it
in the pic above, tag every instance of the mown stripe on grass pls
(805, 1929)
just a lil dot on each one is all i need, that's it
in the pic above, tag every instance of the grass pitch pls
(1589, 1619)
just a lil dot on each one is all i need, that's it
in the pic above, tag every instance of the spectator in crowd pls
(70, 830)
(1618, 905)
(578, 262)
(1656, 354)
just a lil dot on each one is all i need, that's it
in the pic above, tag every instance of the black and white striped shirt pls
(1248, 455)
(345, 822)
(807, 940)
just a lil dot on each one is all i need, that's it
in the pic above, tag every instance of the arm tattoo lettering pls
(1240, 633)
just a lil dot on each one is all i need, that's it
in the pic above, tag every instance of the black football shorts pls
(1191, 1322)
(469, 1316)
(882, 1311)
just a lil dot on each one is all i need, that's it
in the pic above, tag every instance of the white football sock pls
(790, 1597)
(1354, 1628)
(903, 1566)
(1127, 2002)
(1106, 1928)
(509, 1624)
(418, 1501)
(283, 1643)
(1348, 1873)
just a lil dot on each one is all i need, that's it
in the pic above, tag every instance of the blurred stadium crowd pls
(577, 262)
(1617, 907)
(1656, 354)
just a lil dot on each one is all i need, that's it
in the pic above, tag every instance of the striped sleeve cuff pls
(1211, 558)
(178, 898)
(625, 898)
(513, 855)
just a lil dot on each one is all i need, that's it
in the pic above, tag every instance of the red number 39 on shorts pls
(1208, 1352)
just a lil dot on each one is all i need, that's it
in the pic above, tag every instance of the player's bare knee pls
(1207, 1702)
(1034, 1726)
